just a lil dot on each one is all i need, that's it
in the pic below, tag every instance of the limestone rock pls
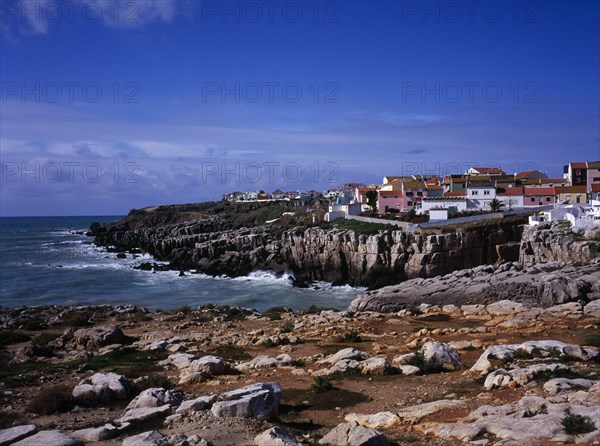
(105, 387)
(262, 362)
(102, 433)
(202, 403)
(14, 434)
(276, 436)
(96, 337)
(437, 354)
(155, 397)
(415, 413)
(260, 401)
(522, 375)
(353, 434)
(151, 438)
(144, 414)
(381, 420)
(48, 438)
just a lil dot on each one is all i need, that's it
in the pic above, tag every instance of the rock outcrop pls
(211, 246)
(542, 285)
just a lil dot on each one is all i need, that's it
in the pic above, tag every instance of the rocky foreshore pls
(497, 374)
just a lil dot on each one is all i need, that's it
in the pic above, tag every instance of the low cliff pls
(212, 246)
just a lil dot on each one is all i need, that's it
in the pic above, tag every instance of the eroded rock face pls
(155, 397)
(509, 289)
(212, 247)
(49, 438)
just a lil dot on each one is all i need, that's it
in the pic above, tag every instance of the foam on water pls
(45, 262)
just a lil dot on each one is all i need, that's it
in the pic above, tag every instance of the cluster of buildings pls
(479, 186)
(477, 189)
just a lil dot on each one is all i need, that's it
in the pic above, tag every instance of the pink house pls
(389, 199)
(538, 196)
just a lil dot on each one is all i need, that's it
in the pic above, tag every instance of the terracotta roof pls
(413, 185)
(445, 198)
(553, 180)
(458, 193)
(489, 170)
(595, 187)
(571, 190)
(512, 191)
(396, 193)
(593, 165)
(578, 165)
(433, 187)
(539, 191)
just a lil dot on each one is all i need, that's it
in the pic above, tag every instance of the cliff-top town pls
(479, 189)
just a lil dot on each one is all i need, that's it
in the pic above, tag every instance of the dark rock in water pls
(298, 283)
(181, 274)
(121, 255)
(146, 266)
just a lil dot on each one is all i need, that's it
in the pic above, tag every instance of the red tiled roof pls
(578, 165)
(539, 191)
(458, 193)
(571, 190)
(433, 187)
(489, 170)
(512, 191)
(391, 193)
(596, 187)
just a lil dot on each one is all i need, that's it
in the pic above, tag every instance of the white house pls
(459, 204)
(512, 197)
(480, 193)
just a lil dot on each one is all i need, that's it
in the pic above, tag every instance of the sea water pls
(49, 261)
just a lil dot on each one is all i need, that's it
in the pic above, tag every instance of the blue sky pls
(112, 105)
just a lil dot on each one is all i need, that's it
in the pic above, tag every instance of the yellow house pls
(572, 194)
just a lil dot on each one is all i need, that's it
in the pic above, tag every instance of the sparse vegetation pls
(574, 424)
(9, 337)
(288, 327)
(321, 385)
(352, 336)
(51, 400)
(522, 354)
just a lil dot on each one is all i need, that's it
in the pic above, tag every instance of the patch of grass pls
(130, 362)
(34, 325)
(321, 385)
(9, 337)
(233, 314)
(352, 336)
(52, 400)
(274, 313)
(522, 354)
(593, 340)
(230, 353)
(577, 424)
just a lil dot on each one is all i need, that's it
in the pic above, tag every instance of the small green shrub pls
(321, 385)
(522, 354)
(577, 424)
(352, 336)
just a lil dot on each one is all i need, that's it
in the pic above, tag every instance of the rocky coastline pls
(211, 246)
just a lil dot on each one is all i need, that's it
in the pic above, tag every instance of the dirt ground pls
(27, 378)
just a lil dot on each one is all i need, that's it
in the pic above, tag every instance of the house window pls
(409, 194)
(409, 204)
(533, 199)
(486, 192)
(419, 194)
(548, 199)
(475, 192)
